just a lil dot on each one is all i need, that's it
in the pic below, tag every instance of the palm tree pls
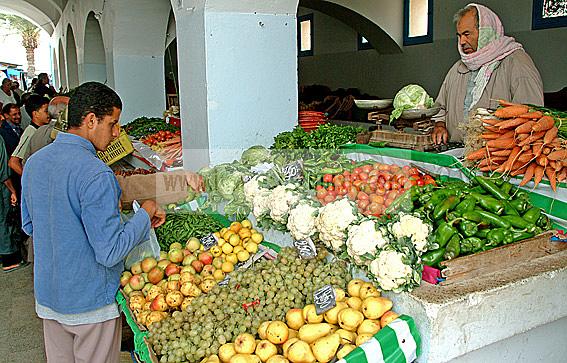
(29, 34)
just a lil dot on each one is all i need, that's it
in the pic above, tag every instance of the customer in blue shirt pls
(70, 207)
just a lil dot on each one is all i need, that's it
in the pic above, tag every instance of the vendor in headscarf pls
(492, 66)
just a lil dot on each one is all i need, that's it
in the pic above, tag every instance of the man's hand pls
(157, 215)
(13, 199)
(195, 181)
(440, 134)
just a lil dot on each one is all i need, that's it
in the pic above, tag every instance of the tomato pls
(363, 204)
(321, 193)
(378, 199)
(347, 184)
(372, 186)
(373, 208)
(346, 173)
(387, 185)
(388, 202)
(431, 181)
(362, 196)
(420, 183)
(373, 172)
(403, 180)
(351, 195)
(319, 187)
(339, 178)
(363, 176)
(367, 168)
(383, 167)
(366, 188)
(392, 194)
(329, 198)
(331, 188)
(376, 165)
(342, 191)
(327, 178)
(406, 168)
(372, 179)
(395, 186)
(357, 183)
(357, 170)
(413, 171)
(380, 190)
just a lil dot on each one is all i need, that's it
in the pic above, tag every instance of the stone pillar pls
(237, 75)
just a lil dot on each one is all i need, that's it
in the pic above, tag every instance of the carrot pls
(492, 161)
(488, 168)
(555, 143)
(542, 160)
(477, 155)
(533, 114)
(532, 138)
(502, 143)
(546, 150)
(525, 128)
(530, 170)
(510, 123)
(562, 175)
(555, 165)
(491, 121)
(551, 175)
(511, 111)
(550, 135)
(543, 124)
(522, 137)
(526, 157)
(492, 129)
(519, 171)
(560, 154)
(490, 135)
(537, 149)
(505, 103)
(501, 152)
(538, 175)
(512, 158)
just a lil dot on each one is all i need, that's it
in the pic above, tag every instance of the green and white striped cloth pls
(397, 342)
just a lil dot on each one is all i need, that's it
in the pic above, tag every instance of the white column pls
(237, 75)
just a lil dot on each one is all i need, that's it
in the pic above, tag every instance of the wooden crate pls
(403, 140)
(500, 258)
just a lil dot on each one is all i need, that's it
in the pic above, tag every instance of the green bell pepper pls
(532, 215)
(432, 258)
(445, 207)
(471, 245)
(453, 248)
(468, 228)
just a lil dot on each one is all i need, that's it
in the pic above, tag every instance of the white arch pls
(94, 55)
(28, 11)
(62, 66)
(72, 64)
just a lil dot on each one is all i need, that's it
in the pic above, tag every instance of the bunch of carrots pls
(170, 150)
(522, 141)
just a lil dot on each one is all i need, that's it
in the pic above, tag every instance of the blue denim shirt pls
(70, 207)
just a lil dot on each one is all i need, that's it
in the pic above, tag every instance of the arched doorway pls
(94, 56)
(55, 67)
(170, 64)
(62, 69)
(72, 66)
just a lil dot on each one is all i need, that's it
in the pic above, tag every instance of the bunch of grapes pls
(265, 291)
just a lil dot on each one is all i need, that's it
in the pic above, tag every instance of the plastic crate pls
(117, 149)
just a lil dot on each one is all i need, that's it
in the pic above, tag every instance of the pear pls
(350, 319)
(294, 318)
(362, 338)
(277, 332)
(265, 350)
(226, 351)
(331, 315)
(245, 343)
(340, 294)
(345, 350)
(287, 344)
(388, 317)
(353, 287)
(213, 359)
(324, 349)
(300, 352)
(347, 337)
(310, 314)
(368, 290)
(369, 327)
(262, 329)
(244, 358)
(292, 334)
(375, 307)
(277, 359)
(354, 302)
(311, 332)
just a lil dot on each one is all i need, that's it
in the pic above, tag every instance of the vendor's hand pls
(440, 134)
(13, 199)
(157, 215)
(195, 181)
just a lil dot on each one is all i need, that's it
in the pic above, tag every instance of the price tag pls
(305, 248)
(208, 241)
(246, 178)
(324, 299)
(225, 281)
(193, 205)
(293, 170)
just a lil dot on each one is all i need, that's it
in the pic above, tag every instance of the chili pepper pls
(481, 216)
(521, 194)
(506, 188)
(519, 204)
(453, 248)
(489, 203)
(443, 233)
(448, 205)
(538, 230)
(519, 222)
(467, 204)
(453, 215)
(468, 228)
(437, 197)
(532, 215)
(478, 189)
(509, 209)
(432, 258)
(543, 222)
(331, 170)
(496, 237)
(518, 236)
(424, 198)
(491, 188)
(471, 245)
(482, 233)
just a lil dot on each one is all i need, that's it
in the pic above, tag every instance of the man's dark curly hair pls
(34, 103)
(92, 97)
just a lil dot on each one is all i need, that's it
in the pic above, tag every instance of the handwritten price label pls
(293, 170)
(324, 299)
(305, 248)
(208, 241)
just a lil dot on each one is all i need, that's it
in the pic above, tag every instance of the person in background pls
(10, 129)
(6, 94)
(36, 106)
(17, 92)
(85, 234)
(492, 66)
(42, 87)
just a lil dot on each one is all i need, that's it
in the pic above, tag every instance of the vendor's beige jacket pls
(516, 79)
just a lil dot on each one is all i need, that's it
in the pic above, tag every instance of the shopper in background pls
(79, 237)
(6, 94)
(10, 129)
(42, 87)
(36, 107)
(17, 92)
(492, 66)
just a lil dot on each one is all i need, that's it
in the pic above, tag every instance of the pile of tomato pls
(373, 186)
(160, 136)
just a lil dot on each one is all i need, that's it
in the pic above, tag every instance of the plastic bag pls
(149, 248)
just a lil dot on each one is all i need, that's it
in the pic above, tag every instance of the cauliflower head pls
(281, 199)
(252, 188)
(301, 221)
(390, 270)
(364, 238)
(414, 228)
(261, 203)
(332, 222)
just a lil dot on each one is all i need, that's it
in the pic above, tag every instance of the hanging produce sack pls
(397, 342)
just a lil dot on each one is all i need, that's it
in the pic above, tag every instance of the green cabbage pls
(255, 155)
(410, 97)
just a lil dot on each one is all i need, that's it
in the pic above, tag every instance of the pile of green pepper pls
(179, 227)
(484, 214)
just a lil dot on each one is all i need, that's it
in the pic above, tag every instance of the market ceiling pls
(43, 13)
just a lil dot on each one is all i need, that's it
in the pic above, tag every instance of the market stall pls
(368, 246)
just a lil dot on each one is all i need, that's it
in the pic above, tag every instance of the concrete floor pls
(21, 332)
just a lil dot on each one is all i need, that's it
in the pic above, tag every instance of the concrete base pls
(516, 315)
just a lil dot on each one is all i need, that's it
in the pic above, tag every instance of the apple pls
(128, 289)
(208, 270)
(155, 275)
(171, 269)
(163, 263)
(245, 343)
(188, 259)
(197, 265)
(136, 268)
(189, 269)
(217, 262)
(173, 285)
(147, 288)
(125, 278)
(193, 244)
(144, 276)
(174, 277)
(137, 282)
(186, 252)
(206, 258)
(175, 246)
(148, 263)
(159, 303)
(162, 255)
(175, 256)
